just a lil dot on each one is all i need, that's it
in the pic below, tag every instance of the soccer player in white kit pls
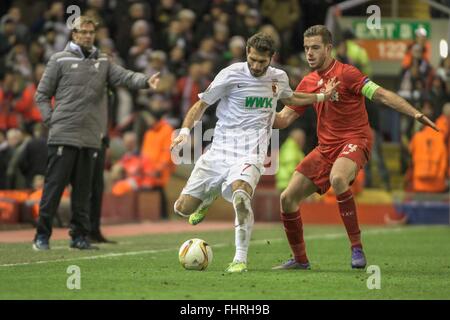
(248, 94)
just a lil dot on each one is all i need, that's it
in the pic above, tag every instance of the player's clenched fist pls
(181, 139)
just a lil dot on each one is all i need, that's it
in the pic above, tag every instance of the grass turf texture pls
(414, 263)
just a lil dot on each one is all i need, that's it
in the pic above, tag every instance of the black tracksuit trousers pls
(97, 191)
(67, 165)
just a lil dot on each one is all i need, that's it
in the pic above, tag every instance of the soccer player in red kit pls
(345, 141)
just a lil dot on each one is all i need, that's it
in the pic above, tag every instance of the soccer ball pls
(195, 254)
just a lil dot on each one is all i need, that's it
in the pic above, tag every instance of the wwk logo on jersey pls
(258, 103)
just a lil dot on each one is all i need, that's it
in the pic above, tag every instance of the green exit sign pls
(390, 29)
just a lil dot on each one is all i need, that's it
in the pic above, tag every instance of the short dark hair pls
(262, 42)
(319, 30)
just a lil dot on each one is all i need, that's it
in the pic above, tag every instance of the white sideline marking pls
(328, 236)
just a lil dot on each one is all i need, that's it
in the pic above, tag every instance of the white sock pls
(212, 195)
(243, 224)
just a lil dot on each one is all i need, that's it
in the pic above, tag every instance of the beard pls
(259, 74)
(319, 64)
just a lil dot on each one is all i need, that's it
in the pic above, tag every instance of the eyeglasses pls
(85, 32)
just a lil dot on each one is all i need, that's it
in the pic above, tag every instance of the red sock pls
(347, 209)
(294, 231)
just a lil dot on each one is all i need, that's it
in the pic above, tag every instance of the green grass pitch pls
(414, 264)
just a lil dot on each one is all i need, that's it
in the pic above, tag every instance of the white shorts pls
(212, 175)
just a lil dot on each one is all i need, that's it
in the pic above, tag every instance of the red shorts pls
(318, 163)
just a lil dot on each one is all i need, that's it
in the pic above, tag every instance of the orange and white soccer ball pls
(195, 254)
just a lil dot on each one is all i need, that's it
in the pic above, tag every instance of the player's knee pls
(287, 202)
(283, 199)
(339, 183)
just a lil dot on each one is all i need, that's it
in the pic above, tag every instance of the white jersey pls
(246, 110)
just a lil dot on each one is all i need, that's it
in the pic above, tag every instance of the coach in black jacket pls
(77, 78)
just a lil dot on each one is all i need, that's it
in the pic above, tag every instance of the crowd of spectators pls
(425, 155)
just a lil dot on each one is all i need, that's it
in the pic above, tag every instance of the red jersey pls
(344, 116)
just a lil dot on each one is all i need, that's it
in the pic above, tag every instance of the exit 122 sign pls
(390, 41)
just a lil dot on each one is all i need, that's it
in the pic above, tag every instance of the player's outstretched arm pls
(399, 104)
(284, 118)
(194, 114)
(304, 99)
